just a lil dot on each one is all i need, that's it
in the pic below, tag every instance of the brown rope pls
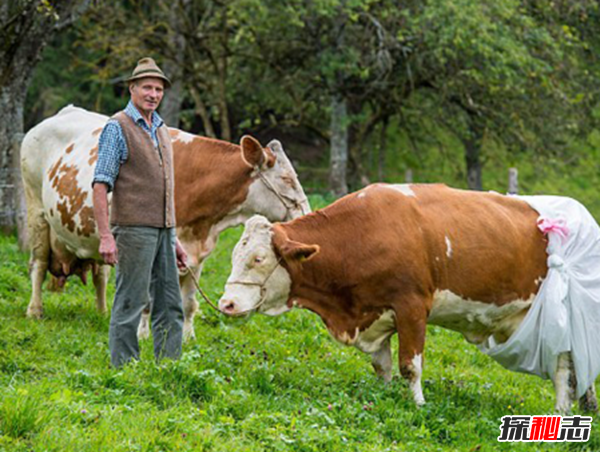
(195, 279)
(262, 286)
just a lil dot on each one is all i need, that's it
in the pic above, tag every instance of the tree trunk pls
(202, 111)
(12, 99)
(339, 147)
(473, 159)
(382, 147)
(473, 166)
(472, 141)
(222, 68)
(19, 195)
(25, 28)
(171, 104)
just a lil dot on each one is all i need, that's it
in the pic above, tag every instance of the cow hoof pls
(588, 406)
(143, 333)
(562, 409)
(387, 378)
(34, 312)
(188, 334)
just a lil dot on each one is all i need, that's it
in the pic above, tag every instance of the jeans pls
(146, 271)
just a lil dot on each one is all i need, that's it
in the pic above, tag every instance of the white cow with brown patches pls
(392, 258)
(217, 185)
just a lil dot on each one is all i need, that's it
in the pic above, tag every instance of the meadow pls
(256, 384)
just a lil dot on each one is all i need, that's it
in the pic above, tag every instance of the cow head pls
(276, 193)
(258, 281)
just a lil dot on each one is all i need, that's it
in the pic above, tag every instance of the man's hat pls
(147, 67)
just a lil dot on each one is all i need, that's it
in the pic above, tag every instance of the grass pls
(262, 384)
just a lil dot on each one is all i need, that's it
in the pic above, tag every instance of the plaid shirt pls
(112, 147)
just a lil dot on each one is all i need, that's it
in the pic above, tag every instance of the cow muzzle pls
(231, 308)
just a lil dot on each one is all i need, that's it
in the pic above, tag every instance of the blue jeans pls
(146, 271)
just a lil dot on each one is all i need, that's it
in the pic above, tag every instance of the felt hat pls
(147, 67)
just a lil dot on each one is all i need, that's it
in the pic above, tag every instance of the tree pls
(26, 26)
(192, 39)
(330, 65)
(497, 73)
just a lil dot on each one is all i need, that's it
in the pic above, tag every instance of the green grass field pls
(273, 384)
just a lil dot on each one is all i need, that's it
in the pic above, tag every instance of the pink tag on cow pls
(558, 226)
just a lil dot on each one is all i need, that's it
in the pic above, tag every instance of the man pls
(135, 162)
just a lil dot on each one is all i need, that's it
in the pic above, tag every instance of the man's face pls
(146, 93)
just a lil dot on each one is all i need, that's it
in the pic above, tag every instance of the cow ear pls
(252, 151)
(299, 252)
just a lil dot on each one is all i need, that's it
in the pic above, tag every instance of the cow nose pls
(227, 306)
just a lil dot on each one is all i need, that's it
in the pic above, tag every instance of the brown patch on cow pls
(65, 216)
(97, 132)
(70, 148)
(212, 179)
(71, 195)
(173, 133)
(93, 155)
(54, 169)
(88, 222)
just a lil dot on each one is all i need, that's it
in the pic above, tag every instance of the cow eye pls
(258, 260)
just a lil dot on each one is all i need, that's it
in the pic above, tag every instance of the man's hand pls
(108, 249)
(181, 256)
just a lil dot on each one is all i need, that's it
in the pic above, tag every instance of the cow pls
(217, 185)
(393, 258)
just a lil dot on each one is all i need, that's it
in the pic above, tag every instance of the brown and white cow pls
(217, 185)
(393, 258)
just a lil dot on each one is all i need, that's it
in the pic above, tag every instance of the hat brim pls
(150, 75)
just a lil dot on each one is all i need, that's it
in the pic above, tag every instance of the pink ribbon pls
(558, 226)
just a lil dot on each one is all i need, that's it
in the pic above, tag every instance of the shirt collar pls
(134, 114)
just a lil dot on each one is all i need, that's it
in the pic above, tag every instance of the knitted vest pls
(143, 191)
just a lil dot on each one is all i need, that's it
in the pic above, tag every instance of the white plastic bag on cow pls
(565, 315)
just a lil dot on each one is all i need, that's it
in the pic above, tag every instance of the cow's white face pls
(276, 193)
(257, 280)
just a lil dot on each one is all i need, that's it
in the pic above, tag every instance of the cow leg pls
(382, 361)
(100, 279)
(143, 331)
(588, 402)
(411, 326)
(563, 379)
(39, 233)
(190, 304)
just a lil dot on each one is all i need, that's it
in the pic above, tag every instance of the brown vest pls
(143, 191)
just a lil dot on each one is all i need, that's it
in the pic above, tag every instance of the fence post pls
(513, 181)
(408, 176)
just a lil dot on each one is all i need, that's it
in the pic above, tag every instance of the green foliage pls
(516, 75)
(252, 384)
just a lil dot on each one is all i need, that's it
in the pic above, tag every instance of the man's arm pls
(108, 246)
(112, 151)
